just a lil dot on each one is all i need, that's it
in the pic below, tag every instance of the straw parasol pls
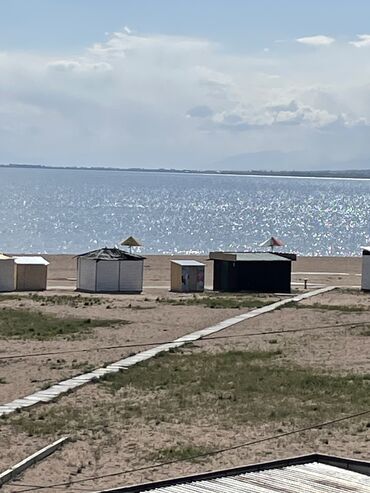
(272, 242)
(131, 242)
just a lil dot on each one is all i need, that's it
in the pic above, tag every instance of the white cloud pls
(120, 44)
(78, 66)
(362, 41)
(318, 40)
(158, 100)
(305, 115)
(292, 113)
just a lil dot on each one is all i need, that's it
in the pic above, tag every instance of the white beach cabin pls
(110, 270)
(7, 273)
(31, 273)
(365, 279)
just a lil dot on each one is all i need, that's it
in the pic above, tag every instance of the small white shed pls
(31, 273)
(187, 276)
(110, 270)
(365, 279)
(7, 273)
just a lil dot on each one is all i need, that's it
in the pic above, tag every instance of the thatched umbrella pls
(272, 242)
(131, 242)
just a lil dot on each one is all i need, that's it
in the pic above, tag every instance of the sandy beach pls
(109, 432)
(341, 271)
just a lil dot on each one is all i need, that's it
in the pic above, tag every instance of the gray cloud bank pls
(167, 101)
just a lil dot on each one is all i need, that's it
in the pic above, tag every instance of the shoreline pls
(352, 175)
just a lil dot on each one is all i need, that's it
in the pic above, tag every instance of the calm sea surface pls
(57, 211)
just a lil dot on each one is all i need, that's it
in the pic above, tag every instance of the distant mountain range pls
(263, 161)
(287, 161)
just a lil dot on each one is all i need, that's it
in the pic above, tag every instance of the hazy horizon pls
(213, 85)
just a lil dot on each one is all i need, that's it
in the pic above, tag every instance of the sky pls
(208, 84)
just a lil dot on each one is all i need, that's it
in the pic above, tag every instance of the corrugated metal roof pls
(188, 262)
(248, 257)
(31, 260)
(111, 254)
(313, 473)
(313, 477)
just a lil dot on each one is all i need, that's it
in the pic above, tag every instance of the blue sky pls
(237, 24)
(175, 83)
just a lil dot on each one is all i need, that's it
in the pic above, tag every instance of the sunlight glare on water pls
(69, 211)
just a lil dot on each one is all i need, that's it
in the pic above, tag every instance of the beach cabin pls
(31, 273)
(262, 272)
(365, 279)
(187, 276)
(110, 270)
(7, 273)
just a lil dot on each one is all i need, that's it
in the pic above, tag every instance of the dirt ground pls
(328, 334)
(334, 344)
(140, 320)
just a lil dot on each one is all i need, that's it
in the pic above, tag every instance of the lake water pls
(58, 211)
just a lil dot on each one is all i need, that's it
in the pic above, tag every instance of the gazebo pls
(131, 242)
(272, 242)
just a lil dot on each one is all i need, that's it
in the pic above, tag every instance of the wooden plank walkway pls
(64, 386)
(17, 469)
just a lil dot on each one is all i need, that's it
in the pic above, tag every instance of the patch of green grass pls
(218, 301)
(46, 385)
(66, 418)
(56, 364)
(223, 389)
(179, 452)
(360, 331)
(235, 387)
(140, 307)
(10, 297)
(345, 290)
(52, 421)
(322, 306)
(69, 300)
(82, 365)
(24, 324)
